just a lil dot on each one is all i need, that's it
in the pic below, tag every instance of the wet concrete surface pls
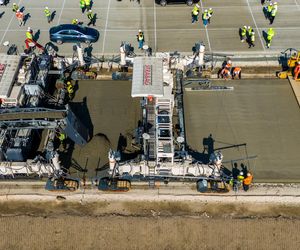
(262, 113)
(107, 109)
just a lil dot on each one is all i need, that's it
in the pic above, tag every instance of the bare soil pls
(148, 225)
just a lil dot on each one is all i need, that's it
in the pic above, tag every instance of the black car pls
(165, 2)
(70, 33)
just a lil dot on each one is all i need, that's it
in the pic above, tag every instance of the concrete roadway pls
(263, 114)
(166, 28)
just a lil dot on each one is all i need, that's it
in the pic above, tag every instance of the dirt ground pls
(148, 225)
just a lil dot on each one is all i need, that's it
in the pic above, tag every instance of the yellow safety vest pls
(28, 35)
(47, 12)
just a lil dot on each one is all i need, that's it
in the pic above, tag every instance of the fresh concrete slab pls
(262, 113)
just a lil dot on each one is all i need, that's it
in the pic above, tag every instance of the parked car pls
(165, 2)
(71, 33)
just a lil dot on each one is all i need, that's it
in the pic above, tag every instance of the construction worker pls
(210, 13)
(82, 6)
(91, 17)
(297, 71)
(141, 39)
(29, 34)
(249, 31)
(236, 71)
(15, 7)
(62, 138)
(243, 33)
(269, 10)
(251, 39)
(87, 4)
(225, 73)
(273, 12)
(270, 35)
(247, 181)
(75, 21)
(195, 13)
(20, 17)
(47, 14)
(241, 177)
(205, 17)
(70, 89)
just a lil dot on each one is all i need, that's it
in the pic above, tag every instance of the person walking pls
(195, 13)
(251, 39)
(270, 35)
(47, 14)
(82, 6)
(141, 39)
(87, 4)
(205, 17)
(269, 10)
(91, 16)
(15, 7)
(20, 17)
(210, 13)
(243, 34)
(273, 12)
(70, 90)
(240, 177)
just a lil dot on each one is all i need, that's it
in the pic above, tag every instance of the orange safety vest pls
(19, 15)
(236, 70)
(297, 69)
(248, 180)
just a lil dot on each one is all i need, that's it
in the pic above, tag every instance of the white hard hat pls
(241, 173)
(248, 174)
(140, 30)
(275, 3)
(245, 27)
(248, 27)
(90, 10)
(14, 4)
(206, 11)
(46, 8)
(210, 8)
(197, 5)
(18, 10)
(253, 32)
(28, 29)
(271, 4)
(229, 61)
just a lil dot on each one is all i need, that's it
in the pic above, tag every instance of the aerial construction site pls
(123, 120)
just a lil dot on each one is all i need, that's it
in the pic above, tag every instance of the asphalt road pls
(262, 113)
(166, 28)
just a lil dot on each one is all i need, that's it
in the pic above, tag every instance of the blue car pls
(70, 33)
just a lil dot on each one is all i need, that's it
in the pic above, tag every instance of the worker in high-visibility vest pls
(251, 40)
(269, 10)
(297, 71)
(62, 138)
(20, 17)
(236, 71)
(270, 35)
(15, 7)
(141, 39)
(75, 21)
(273, 12)
(241, 177)
(205, 17)
(91, 16)
(210, 13)
(247, 181)
(29, 34)
(82, 5)
(195, 13)
(70, 89)
(87, 4)
(47, 14)
(243, 33)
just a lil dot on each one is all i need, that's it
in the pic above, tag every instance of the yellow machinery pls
(291, 63)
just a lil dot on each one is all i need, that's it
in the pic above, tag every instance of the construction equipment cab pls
(114, 185)
(62, 184)
(165, 2)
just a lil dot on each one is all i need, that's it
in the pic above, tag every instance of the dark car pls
(165, 2)
(70, 33)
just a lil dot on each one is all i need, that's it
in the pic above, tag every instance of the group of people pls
(86, 5)
(227, 71)
(270, 11)
(206, 15)
(247, 34)
(241, 178)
